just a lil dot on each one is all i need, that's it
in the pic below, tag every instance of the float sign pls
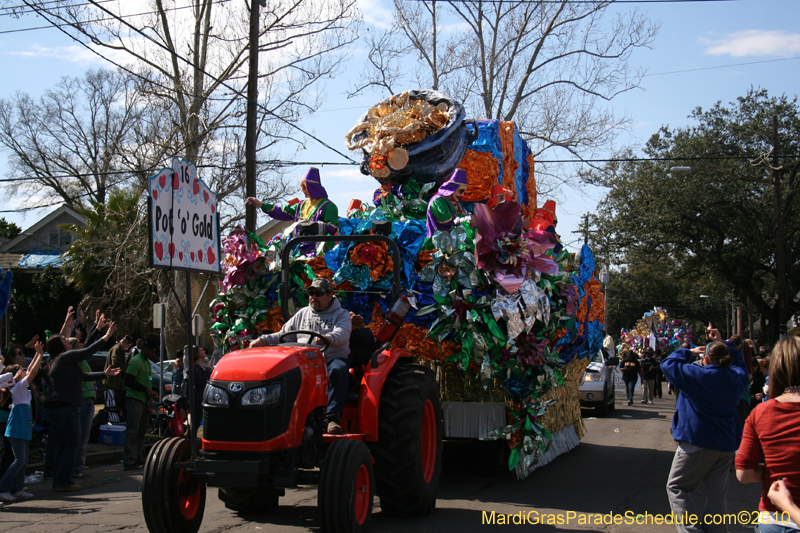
(183, 220)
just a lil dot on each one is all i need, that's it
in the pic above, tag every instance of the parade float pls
(503, 314)
(657, 331)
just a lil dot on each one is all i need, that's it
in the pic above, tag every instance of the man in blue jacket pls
(706, 426)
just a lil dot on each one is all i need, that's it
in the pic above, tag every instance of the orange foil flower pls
(376, 256)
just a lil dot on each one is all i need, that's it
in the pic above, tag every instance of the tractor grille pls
(235, 423)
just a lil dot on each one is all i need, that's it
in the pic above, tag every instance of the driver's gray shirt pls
(334, 322)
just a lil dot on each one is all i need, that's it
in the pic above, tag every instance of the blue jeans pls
(338, 372)
(65, 425)
(773, 528)
(87, 415)
(630, 389)
(14, 477)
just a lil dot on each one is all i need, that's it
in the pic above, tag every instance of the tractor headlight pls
(262, 395)
(215, 396)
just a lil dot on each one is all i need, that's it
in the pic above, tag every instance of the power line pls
(19, 30)
(22, 6)
(721, 66)
(586, 1)
(222, 83)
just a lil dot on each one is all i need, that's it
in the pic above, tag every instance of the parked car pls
(156, 373)
(597, 385)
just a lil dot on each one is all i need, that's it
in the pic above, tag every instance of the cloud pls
(375, 13)
(755, 43)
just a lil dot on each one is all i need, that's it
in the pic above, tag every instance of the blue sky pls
(695, 37)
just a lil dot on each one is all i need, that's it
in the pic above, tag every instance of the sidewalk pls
(92, 459)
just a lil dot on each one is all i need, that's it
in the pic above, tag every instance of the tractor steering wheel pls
(312, 334)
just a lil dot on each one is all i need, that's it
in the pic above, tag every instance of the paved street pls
(621, 465)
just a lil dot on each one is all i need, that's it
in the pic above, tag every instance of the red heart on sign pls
(180, 256)
(176, 183)
(155, 194)
(159, 248)
(171, 249)
(210, 255)
(162, 180)
(213, 208)
(195, 187)
(200, 255)
(191, 254)
(205, 196)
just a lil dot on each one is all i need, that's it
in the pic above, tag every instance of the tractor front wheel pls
(408, 454)
(171, 500)
(346, 487)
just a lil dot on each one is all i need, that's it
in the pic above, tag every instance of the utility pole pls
(585, 230)
(251, 133)
(780, 256)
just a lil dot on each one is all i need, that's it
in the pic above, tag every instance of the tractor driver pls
(324, 315)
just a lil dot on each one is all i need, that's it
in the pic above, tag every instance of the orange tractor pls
(264, 413)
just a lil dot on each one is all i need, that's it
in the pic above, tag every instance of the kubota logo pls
(235, 387)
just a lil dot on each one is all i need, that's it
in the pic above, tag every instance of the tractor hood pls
(262, 363)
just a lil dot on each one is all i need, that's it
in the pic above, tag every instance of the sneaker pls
(650, 401)
(82, 475)
(137, 466)
(67, 488)
(7, 497)
(22, 495)
(334, 428)
(630, 402)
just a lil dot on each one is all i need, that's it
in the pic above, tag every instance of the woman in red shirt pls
(771, 431)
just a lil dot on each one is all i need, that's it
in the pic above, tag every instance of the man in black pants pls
(138, 391)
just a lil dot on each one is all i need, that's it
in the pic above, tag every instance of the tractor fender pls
(371, 387)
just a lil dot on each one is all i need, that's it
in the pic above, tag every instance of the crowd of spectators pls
(56, 391)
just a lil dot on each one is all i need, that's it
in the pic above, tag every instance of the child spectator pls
(18, 429)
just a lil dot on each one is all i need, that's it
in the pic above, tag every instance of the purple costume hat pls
(315, 188)
(456, 180)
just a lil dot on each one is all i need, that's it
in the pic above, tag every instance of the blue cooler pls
(112, 435)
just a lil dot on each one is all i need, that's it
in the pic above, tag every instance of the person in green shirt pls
(138, 391)
(315, 208)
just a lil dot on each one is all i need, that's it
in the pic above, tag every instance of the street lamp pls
(780, 252)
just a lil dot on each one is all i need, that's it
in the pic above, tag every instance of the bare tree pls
(190, 58)
(193, 55)
(546, 65)
(83, 139)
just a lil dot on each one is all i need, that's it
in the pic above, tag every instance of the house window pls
(54, 241)
(66, 238)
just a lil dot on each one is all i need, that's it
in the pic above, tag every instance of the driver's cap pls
(323, 285)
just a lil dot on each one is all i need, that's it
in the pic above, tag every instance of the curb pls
(92, 459)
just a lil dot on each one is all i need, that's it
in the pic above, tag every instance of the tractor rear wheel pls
(408, 454)
(346, 487)
(250, 499)
(171, 500)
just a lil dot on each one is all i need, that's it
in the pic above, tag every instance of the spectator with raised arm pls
(18, 428)
(706, 427)
(64, 400)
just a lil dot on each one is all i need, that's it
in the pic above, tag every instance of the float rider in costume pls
(445, 207)
(315, 208)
